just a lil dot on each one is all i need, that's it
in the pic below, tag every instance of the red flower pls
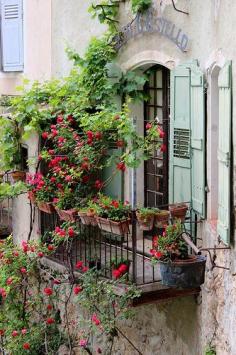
(15, 253)
(116, 273)
(9, 281)
(23, 331)
(95, 320)
(85, 269)
(98, 135)
(123, 268)
(70, 118)
(84, 166)
(71, 232)
(51, 152)
(49, 307)
(59, 119)
(45, 135)
(121, 166)
(89, 135)
(161, 132)
(48, 291)
(98, 184)
(120, 143)
(68, 178)
(23, 270)
(15, 333)
(2, 331)
(3, 293)
(79, 265)
(115, 203)
(26, 346)
(163, 148)
(158, 254)
(50, 321)
(148, 126)
(77, 290)
(53, 179)
(85, 179)
(50, 247)
(54, 132)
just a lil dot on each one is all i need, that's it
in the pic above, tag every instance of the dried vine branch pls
(178, 10)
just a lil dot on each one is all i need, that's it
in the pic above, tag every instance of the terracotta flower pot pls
(161, 218)
(145, 223)
(46, 207)
(87, 220)
(119, 227)
(18, 175)
(182, 274)
(178, 211)
(67, 215)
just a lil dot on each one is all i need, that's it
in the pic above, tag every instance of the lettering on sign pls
(149, 23)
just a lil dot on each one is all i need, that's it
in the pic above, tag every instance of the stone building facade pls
(203, 39)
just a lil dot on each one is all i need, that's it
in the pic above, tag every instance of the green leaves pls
(140, 5)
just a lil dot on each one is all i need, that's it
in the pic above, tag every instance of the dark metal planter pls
(183, 274)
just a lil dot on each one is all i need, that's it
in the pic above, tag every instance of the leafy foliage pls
(11, 191)
(140, 5)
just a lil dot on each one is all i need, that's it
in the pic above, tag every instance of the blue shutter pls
(197, 141)
(179, 163)
(224, 152)
(12, 35)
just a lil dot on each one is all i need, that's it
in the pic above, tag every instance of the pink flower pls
(23, 331)
(148, 126)
(45, 135)
(83, 343)
(95, 320)
(15, 333)
(68, 178)
(9, 281)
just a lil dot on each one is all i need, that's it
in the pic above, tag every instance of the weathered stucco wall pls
(180, 327)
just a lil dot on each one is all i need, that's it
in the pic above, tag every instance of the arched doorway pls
(157, 107)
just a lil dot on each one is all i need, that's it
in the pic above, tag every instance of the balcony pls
(102, 250)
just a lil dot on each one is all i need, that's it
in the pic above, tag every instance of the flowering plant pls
(114, 210)
(170, 246)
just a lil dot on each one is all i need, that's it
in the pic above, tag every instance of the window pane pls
(159, 78)
(159, 98)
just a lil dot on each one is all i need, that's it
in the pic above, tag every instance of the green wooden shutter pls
(224, 152)
(197, 141)
(179, 163)
(115, 187)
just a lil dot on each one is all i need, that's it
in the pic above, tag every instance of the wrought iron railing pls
(105, 250)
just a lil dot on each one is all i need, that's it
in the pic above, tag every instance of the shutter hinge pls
(207, 189)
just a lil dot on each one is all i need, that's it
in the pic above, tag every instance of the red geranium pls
(48, 291)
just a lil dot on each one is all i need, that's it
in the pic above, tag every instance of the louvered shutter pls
(12, 35)
(179, 162)
(224, 152)
(197, 141)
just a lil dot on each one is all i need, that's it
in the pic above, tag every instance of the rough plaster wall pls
(179, 327)
(72, 26)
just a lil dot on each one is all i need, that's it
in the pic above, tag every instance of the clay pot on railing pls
(115, 227)
(18, 175)
(46, 207)
(67, 215)
(183, 274)
(178, 211)
(161, 218)
(145, 222)
(87, 218)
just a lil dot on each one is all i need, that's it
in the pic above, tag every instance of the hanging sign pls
(149, 23)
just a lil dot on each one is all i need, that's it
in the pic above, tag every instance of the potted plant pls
(178, 268)
(45, 193)
(64, 206)
(113, 216)
(145, 217)
(161, 218)
(178, 211)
